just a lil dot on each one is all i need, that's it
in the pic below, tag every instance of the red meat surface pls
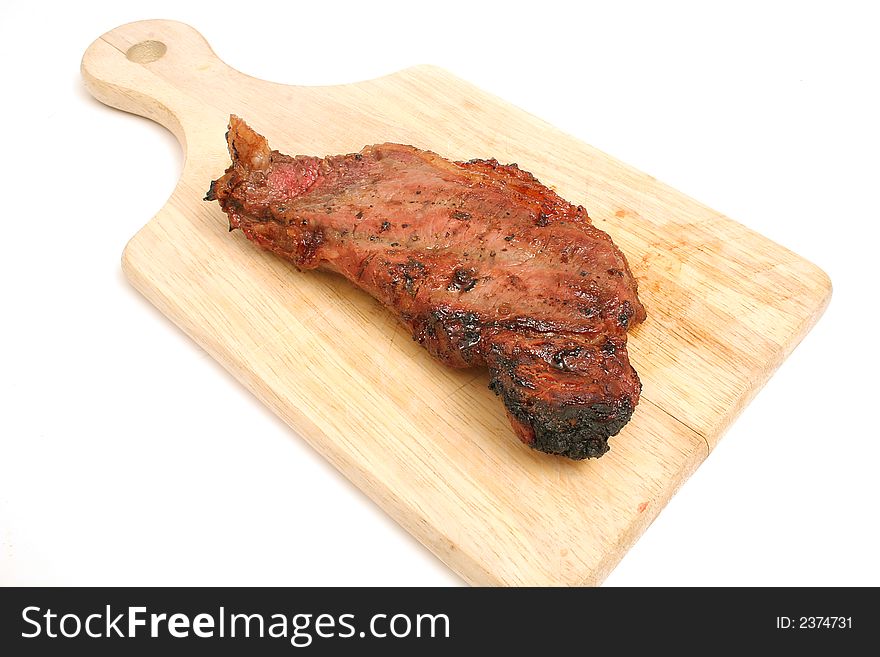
(485, 266)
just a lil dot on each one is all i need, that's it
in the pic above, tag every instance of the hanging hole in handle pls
(146, 52)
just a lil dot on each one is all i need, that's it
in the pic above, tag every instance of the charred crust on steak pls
(571, 430)
(577, 432)
(559, 357)
(463, 280)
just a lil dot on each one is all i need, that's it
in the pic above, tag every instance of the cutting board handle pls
(146, 68)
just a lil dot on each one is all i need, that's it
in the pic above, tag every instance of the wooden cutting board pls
(431, 445)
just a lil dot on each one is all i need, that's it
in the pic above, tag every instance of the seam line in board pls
(112, 45)
(682, 423)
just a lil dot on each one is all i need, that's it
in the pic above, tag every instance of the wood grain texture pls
(429, 444)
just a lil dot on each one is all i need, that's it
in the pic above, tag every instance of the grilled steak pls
(485, 265)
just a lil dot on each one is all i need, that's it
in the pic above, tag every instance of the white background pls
(127, 456)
